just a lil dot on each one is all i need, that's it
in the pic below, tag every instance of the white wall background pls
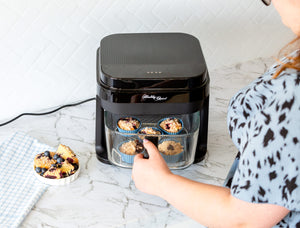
(48, 47)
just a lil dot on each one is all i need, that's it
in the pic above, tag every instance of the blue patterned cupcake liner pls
(127, 157)
(170, 133)
(129, 132)
(172, 158)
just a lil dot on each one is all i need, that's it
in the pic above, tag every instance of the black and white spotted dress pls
(264, 124)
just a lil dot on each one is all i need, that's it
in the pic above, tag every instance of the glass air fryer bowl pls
(187, 138)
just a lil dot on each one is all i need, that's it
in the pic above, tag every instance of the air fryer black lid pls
(151, 60)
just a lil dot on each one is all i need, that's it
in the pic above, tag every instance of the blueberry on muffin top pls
(170, 147)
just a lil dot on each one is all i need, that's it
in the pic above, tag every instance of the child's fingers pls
(151, 148)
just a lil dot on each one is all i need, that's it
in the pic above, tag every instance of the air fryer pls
(152, 76)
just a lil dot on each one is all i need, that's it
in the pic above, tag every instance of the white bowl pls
(61, 181)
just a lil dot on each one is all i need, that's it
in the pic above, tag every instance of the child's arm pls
(210, 205)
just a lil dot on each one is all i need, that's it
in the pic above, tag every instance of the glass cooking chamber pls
(187, 138)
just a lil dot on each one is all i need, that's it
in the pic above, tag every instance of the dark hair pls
(294, 62)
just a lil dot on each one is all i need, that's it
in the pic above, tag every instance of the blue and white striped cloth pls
(19, 188)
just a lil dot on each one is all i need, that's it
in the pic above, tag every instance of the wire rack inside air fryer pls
(190, 121)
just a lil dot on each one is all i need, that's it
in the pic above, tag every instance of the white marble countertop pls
(104, 195)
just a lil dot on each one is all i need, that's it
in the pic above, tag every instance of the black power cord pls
(49, 112)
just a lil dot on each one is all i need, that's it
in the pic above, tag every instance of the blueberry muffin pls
(129, 149)
(128, 125)
(67, 154)
(150, 131)
(68, 168)
(171, 125)
(56, 165)
(44, 160)
(171, 151)
(170, 147)
(53, 173)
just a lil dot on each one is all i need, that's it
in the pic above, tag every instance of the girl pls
(264, 123)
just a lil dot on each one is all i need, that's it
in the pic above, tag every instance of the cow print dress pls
(264, 124)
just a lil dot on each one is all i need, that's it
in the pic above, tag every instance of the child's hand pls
(147, 174)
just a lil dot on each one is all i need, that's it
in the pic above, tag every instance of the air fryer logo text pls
(153, 97)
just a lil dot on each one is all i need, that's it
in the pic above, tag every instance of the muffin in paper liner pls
(177, 120)
(129, 157)
(151, 132)
(56, 168)
(132, 129)
(171, 150)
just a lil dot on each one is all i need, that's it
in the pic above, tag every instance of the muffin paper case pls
(127, 157)
(172, 158)
(170, 133)
(129, 132)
